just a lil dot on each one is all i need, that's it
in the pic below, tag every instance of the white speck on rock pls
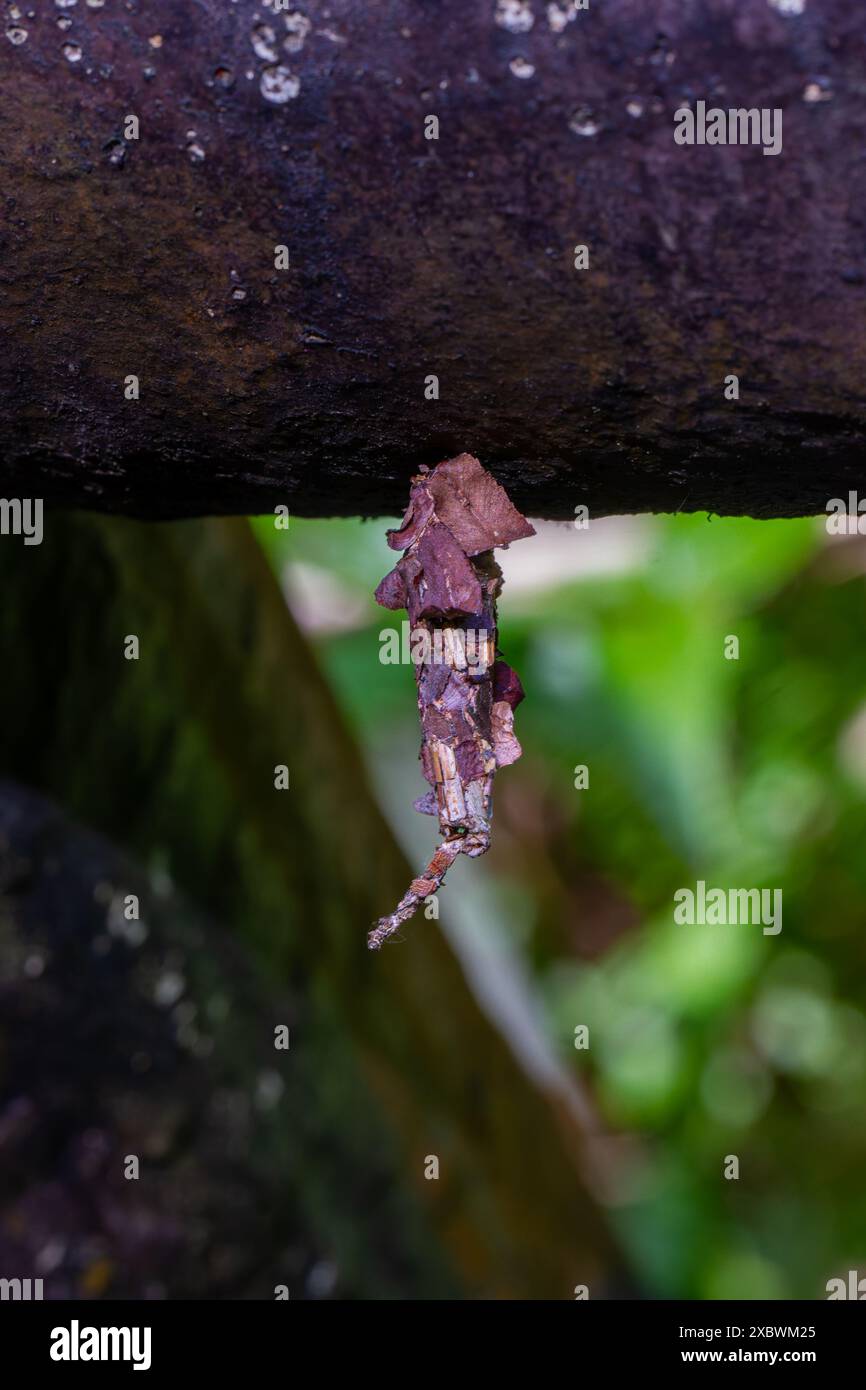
(278, 85)
(16, 35)
(514, 15)
(561, 15)
(583, 122)
(72, 52)
(634, 108)
(817, 91)
(299, 27)
(787, 7)
(264, 42)
(521, 68)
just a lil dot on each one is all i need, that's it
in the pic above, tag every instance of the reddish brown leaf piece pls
(449, 581)
(474, 507)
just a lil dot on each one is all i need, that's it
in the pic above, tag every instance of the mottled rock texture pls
(410, 257)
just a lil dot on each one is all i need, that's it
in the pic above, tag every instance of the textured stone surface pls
(411, 257)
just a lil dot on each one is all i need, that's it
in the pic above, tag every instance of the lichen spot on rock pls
(788, 7)
(583, 122)
(278, 85)
(264, 42)
(194, 149)
(299, 27)
(514, 15)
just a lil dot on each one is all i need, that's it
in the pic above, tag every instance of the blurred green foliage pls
(705, 1041)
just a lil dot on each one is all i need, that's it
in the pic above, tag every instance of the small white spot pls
(521, 68)
(269, 1088)
(583, 122)
(787, 7)
(817, 91)
(299, 27)
(193, 148)
(333, 36)
(64, 22)
(559, 16)
(634, 108)
(155, 40)
(278, 85)
(264, 42)
(65, 4)
(50, 1256)
(16, 35)
(34, 966)
(514, 15)
(95, 4)
(169, 988)
(72, 52)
